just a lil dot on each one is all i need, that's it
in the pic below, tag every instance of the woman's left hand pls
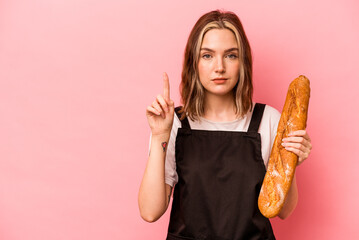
(299, 143)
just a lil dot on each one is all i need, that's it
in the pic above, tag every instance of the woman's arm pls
(154, 193)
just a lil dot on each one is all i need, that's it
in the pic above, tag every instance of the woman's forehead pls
(219, 39)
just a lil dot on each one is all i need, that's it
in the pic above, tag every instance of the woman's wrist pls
(161, 135)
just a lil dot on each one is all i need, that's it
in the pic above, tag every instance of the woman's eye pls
(206, 56)
(232, 56)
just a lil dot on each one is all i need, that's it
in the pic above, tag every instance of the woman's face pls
(218, 64)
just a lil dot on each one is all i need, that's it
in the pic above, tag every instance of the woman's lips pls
(219, 80)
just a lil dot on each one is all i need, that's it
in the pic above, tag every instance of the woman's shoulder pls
(271, 115)
(178, 113)
(271, 111)
(176, 120)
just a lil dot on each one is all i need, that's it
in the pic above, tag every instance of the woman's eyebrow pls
(211, 50)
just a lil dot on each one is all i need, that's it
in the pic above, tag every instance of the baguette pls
(282, 163)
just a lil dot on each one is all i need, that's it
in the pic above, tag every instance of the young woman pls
(215, 148)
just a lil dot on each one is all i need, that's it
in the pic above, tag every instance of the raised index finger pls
(166, 87)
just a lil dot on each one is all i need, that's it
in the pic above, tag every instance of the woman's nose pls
(220, 66)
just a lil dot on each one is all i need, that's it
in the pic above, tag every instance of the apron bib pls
(220, 174)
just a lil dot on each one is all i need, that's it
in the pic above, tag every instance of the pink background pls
(76, 77)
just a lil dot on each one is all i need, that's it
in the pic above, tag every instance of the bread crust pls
(282, 163)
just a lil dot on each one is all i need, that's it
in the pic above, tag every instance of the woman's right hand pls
(160, 113)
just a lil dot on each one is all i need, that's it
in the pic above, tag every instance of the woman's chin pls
(220, 92)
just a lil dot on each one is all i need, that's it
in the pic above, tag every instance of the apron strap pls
(184, 122)
(256, 117)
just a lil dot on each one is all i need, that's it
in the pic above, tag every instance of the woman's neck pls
(219, 108)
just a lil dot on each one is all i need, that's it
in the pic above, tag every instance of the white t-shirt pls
(267, 130)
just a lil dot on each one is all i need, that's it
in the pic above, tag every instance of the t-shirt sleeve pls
(171, 177)
(268, 130)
